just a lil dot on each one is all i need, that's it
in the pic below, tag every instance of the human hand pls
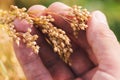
(96, 53)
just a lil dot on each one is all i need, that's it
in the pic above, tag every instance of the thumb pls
(104, 44)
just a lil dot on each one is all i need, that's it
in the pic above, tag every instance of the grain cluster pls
(56, 37)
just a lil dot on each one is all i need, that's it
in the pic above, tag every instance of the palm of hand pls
(85, 62)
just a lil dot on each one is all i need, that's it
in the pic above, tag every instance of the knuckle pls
(104, 33)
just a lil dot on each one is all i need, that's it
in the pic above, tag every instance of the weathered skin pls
(96, 52)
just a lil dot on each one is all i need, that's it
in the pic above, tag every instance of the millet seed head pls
(57, 37)
(7, 18)
(79, 20)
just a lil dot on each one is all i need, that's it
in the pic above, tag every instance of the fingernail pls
(100, 17)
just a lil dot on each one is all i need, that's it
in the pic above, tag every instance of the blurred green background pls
(9, 66)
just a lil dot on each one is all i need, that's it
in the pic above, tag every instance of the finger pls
(62, 9)
(81, 41)
(58, 69)
(36, 10)
(104, 45)
(59, 8)
(78, 56)
(29, 61)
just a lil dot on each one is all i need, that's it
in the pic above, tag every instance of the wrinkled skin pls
(96, 53)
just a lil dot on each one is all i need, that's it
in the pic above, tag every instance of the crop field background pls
(9, 66)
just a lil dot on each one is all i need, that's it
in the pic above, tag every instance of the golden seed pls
(80, 17)
(17, 42)
(62, 44)
(55, 49)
